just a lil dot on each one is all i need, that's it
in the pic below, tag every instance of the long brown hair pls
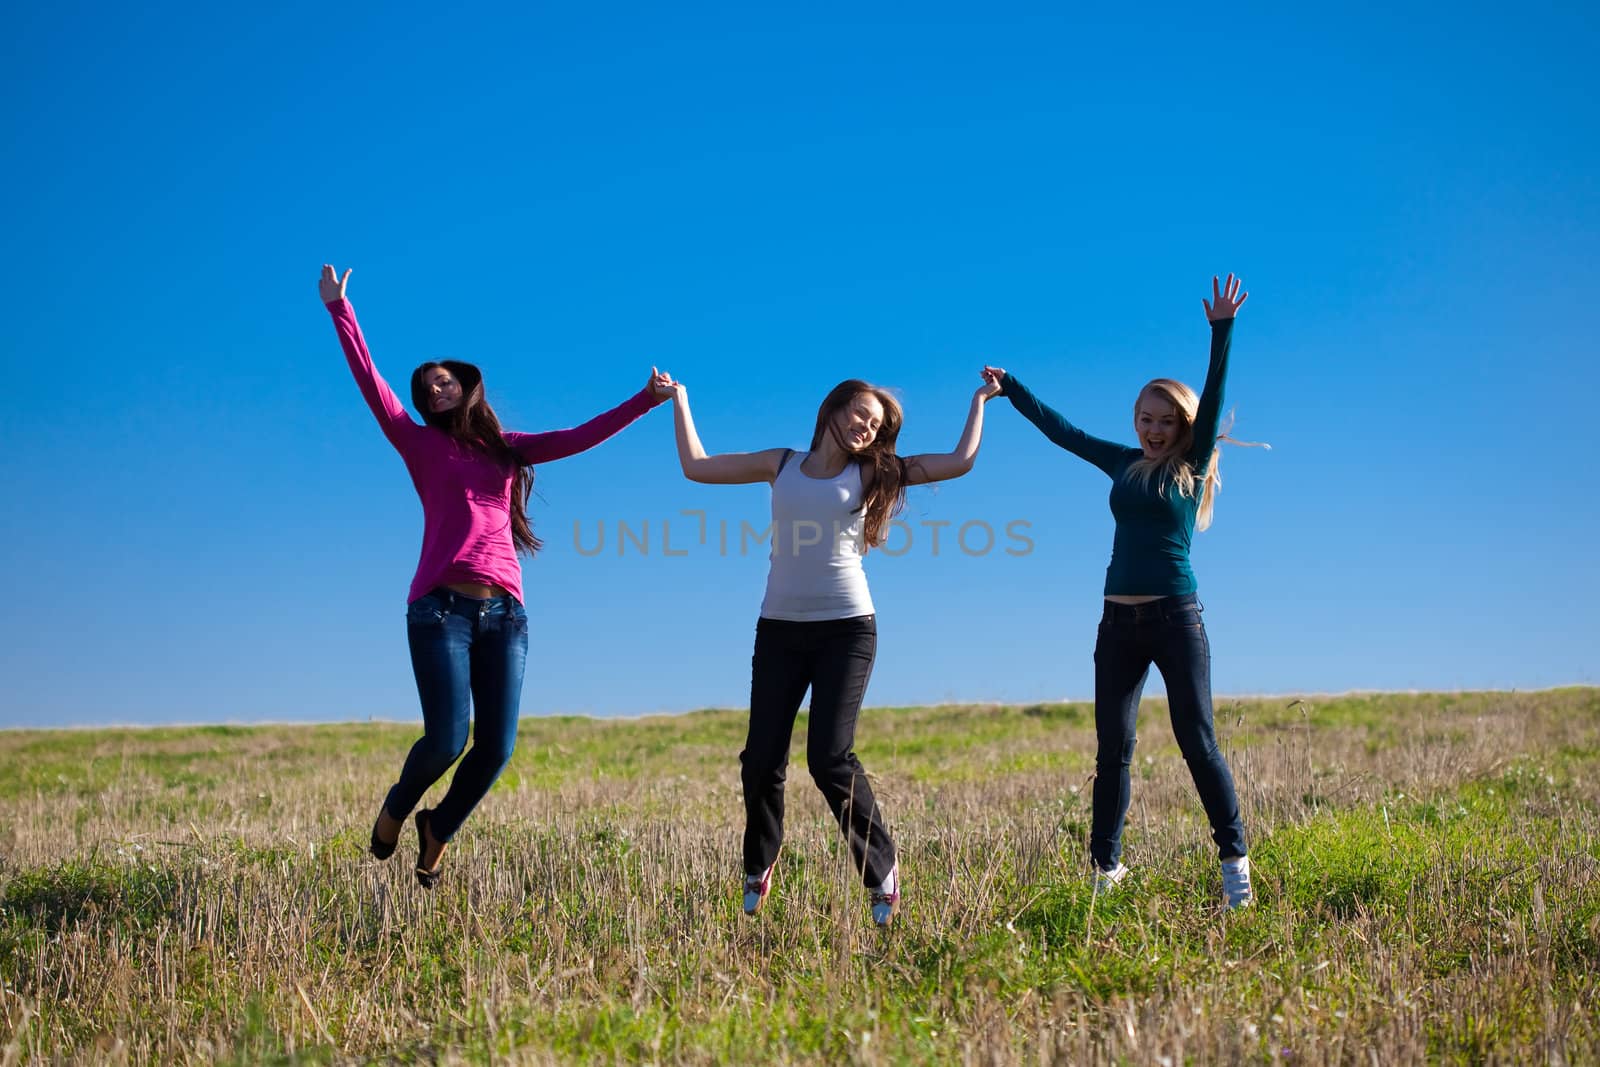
(473, 423)
(885, 492)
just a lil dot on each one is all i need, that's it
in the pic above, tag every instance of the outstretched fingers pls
(1232, 289)
(1226, 298)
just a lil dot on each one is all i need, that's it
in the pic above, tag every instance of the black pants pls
(834, 659)
(1167, 632)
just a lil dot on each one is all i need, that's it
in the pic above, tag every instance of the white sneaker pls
(1236, 883)
(1105, 881)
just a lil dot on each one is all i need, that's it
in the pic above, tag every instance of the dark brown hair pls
(473, 423)
(885, 490)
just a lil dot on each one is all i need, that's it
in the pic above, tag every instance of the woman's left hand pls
(330, 286)
(1225, 302)
(991, 384)
(661, 385)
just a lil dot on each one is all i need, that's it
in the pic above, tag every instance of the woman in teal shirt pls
(1161, 492)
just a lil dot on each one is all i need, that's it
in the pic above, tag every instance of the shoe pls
(756, 889)
(1105, 881)
(380, 848)
(425, 878)
(1236, 883)
(885, 906)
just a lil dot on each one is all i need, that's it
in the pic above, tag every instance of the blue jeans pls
(1167, 632)
(468, 655)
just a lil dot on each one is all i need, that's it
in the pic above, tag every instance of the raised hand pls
(331, 286)
(991, 383)
(661, 385)
(1226, 301)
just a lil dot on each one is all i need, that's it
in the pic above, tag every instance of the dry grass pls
(1427, 869)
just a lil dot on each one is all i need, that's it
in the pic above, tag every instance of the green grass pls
(1428, 871)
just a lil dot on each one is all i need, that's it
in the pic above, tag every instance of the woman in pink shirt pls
(467, 628)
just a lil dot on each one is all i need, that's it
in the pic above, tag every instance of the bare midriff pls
(480, 591)
(1133, 599)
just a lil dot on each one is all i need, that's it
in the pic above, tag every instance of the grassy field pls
(1428, 871)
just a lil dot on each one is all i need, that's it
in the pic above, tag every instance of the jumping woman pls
(465, 621)
(817, 626)
(1161, 493)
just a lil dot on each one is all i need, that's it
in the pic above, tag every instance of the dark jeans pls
(468, 657)
(1167, 632)
(834, 658)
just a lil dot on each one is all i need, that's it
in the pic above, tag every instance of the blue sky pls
(204, 523)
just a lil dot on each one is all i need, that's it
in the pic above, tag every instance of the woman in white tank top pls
(817, 629)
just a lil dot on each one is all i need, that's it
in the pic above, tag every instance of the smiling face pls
(1157, 422)
(443, 390)
(858, 422)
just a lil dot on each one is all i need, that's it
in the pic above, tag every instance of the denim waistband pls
(460, 604)
(1152, 611)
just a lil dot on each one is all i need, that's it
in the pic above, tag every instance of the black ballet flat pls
(425, 878)
(380, 848)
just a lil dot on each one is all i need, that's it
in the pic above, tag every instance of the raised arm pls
(385, 405)
(559, 444)
(1220, 311)
(732, 468)
(1103, 454)
(942, 466)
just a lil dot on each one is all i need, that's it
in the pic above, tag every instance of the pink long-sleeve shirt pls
(466, 494)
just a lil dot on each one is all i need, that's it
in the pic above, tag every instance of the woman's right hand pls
(331, 286)
(993, 374)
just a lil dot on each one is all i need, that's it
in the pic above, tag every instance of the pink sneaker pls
(885, 906)
(756, 889)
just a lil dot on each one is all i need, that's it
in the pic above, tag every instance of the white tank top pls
(818, 540)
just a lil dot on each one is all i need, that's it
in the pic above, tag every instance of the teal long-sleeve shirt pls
(1155, 525)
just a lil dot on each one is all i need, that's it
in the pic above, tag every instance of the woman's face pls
(1157, 424)
(444, 392)
(859, 421)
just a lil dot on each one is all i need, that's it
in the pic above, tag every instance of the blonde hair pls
(1175, 467)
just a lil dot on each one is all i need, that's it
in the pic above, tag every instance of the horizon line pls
(638, 716)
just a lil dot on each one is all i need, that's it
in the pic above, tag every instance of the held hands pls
(661, 385)
(1226, 302)
(331, 286)
(991, 382)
